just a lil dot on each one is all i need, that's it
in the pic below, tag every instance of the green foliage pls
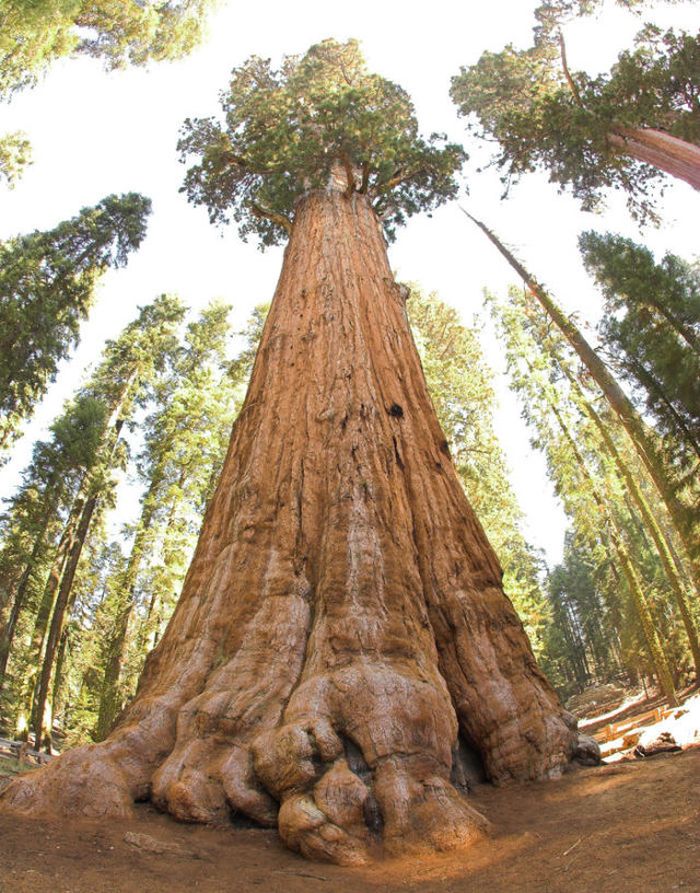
(552, 14)
(285, 131)
(75, 466)
(559, 404)
(47, 288)
(15, 155)
(543, 116)
(651, 328)
(35, 33)
(582, 643)
(186, 434)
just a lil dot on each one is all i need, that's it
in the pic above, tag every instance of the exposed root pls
(343, 616)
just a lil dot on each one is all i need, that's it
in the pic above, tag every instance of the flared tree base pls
(342, 639)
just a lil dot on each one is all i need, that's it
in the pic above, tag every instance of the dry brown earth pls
(628, 828)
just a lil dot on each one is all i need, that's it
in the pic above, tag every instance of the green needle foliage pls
(66, 490)
(15, 155)
(285, 130)
(586, 469)
(651, 328)
(47, 288)
(35, 33)
(186, 434)
(576, 126)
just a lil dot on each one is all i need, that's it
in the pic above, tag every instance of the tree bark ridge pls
(343, 618)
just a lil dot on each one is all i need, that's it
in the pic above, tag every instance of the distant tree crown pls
(286, 130)
(545, 116)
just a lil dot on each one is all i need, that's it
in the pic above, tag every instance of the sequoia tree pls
(35, 35)
(342, 641)
(619, 130)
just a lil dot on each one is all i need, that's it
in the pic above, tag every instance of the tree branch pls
(365, 177)
(278, 219)
(567, 74)
(397, 180)
(349, 174)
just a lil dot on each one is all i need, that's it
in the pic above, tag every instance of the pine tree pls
(85, 448)
(33, 517)
(683, 515)
(590, 498)
(47, 288)
(582, 644)
(180, 439)
(651, 329)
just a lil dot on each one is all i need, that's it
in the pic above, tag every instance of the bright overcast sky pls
(95, 133)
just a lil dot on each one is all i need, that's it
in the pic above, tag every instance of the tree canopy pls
(651, 328)
(47, 283)
(578, 127)
(15, 155)
(35, 34)
(286, 130)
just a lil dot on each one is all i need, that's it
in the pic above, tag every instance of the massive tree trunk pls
(342, 636)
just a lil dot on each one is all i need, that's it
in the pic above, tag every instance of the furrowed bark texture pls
(669, 154)
(342, 632)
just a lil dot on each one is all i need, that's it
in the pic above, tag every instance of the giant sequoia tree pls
(618, 130)
(342, 639)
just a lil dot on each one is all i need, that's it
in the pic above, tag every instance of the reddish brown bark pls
(343, 617)
(662, 150)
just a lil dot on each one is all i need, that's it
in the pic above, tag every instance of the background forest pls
(128, 329)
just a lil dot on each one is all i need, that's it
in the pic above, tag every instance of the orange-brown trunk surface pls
(662, 150)
(342, 639)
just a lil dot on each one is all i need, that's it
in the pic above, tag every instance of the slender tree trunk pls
(656, 651)
(343, 617)
(57, 684)
(685, 330)
(111, 700)
(639, 434)
(34, 657)
(18, 604)
(582, 672)
(58, 618)
(650, 384)
(674, 573)
(661, 150)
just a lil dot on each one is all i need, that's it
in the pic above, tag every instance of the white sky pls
(95, 133)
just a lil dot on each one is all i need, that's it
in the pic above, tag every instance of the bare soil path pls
(633, 827)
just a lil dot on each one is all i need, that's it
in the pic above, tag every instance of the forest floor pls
(631, 827)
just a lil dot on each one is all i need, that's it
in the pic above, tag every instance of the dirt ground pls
(632, 826)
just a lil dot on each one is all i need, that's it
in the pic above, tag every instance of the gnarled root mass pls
(342, 643)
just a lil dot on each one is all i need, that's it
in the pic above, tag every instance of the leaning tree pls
(342, 649)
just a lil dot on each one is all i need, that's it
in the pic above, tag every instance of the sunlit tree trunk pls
(651, 638)
(115, 647)
(643, 439)
(662, 150)
(42, 726)
(672, 569)
(342, 632)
